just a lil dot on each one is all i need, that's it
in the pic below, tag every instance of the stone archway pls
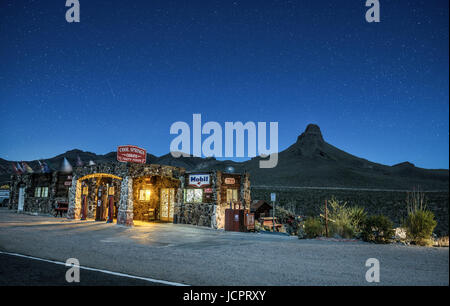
(125, 210)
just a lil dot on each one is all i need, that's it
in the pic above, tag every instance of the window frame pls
(234, 192)
(196, 198)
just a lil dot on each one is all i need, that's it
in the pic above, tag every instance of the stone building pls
(39, 192)
(144, 192)
(141, 191)
(206, 195)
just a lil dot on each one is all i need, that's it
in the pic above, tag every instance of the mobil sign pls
(131, 154)
(199, 180)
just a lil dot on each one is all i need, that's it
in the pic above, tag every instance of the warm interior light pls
(144, 195)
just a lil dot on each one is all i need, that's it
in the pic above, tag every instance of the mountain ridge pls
(309, 162)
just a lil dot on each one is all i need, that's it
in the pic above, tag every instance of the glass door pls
(167, 203)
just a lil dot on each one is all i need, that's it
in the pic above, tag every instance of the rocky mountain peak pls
(311, 136)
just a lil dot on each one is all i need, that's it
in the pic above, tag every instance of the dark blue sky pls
(130, 69)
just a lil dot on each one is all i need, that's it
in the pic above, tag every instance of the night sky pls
(130, 69)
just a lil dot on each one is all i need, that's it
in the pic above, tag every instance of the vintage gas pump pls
(99, 210)
(84, 195)
(110, 204)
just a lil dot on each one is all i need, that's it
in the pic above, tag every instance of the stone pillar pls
(73, 212)
(219, 208)
(177, 208)
(125, 214)
(245, 191)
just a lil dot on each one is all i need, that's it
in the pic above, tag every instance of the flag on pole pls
(19, 167)
(16, 170)
(27, 168)
(46, 168)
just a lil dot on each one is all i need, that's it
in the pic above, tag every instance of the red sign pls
(131, 154)
(230, 181)
(208, 190)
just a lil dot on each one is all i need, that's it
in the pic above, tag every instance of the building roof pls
(258, 204)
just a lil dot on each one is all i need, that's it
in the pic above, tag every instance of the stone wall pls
(200, 214)
(308, 202)
(39, 205)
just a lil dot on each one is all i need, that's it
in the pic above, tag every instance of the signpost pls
(273, 197)
(326, 219)
(131, 154)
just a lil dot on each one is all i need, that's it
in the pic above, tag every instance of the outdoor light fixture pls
(144, 195)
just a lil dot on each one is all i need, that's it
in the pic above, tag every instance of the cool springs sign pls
(131, 154)
(199, 180)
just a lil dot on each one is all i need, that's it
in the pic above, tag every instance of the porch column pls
(125, 214)
(73, 212)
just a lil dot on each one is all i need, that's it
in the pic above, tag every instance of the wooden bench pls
(268, 221)
(61, 208)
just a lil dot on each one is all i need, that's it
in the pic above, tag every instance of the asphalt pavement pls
(191, 255)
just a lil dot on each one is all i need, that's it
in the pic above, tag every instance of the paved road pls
(201, 256)
(19, 271)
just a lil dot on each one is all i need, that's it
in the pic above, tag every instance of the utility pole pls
(326, 219)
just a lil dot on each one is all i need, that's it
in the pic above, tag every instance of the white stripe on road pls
(99, 270)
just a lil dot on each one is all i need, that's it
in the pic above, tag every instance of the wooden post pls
(326, 219)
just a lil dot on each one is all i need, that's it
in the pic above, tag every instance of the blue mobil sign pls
(199, 180)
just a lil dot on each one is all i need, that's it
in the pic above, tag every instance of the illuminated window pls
(144, 195)
(44, 192)
(232, 195)
(193, 195)
(41, 192)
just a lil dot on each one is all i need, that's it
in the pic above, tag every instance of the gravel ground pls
(201, 256)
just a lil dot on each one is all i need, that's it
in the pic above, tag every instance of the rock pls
(400, 233)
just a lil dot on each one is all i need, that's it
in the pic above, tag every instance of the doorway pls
(21, 198)
(166, 204)
(99, 197)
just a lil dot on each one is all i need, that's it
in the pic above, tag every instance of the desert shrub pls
(288, 219)
(301, 234)
(258, 226)
(357, 216)
(283, 215)
(378, 229)
(313, 227)
(419, 227)
(343, 220)
(420, 221)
